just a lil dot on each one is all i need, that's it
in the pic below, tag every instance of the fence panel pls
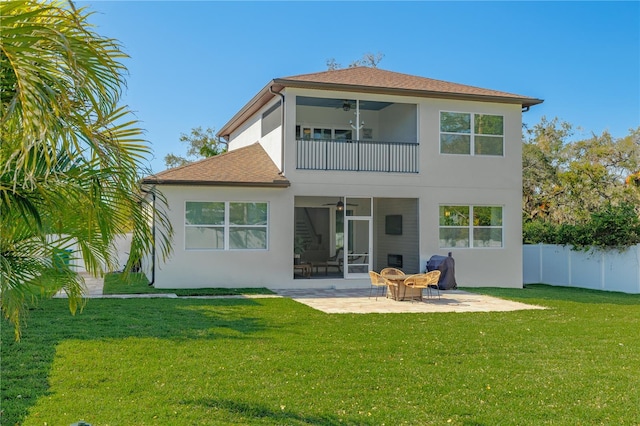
(622, 271)
(531, 263)
(609, 270)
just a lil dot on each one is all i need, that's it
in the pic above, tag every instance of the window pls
(318, 133)
(342, 135)
(204, 225)
(470, 226)
(225, 225)
(465, 133)
(322, 134)
(247, 226)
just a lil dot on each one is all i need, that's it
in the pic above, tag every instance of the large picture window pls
(470, 226)
(225, 225)
(471, 134)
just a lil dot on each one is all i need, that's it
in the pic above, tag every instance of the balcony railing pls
(353, 155)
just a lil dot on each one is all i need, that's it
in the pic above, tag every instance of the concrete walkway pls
(345, 301)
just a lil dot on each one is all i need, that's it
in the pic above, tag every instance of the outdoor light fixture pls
(340, 206)
(346, 106)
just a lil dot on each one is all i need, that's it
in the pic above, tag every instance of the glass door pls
(358, 237)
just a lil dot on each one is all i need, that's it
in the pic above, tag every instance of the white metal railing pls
(353, 155)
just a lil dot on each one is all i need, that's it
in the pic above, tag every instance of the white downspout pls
(282, 115)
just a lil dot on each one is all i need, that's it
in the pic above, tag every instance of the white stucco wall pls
(251, 132)
(219, 268)
(247, 134)
(401, 123)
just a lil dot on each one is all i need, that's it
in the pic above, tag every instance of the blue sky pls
(197, 63)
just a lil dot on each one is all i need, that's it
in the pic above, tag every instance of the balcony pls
(354, 155)
(360, 135)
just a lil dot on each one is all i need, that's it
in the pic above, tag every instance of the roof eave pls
(275, 184)
(250, 108)
(524, 101)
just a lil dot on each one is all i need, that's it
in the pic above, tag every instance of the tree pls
(202, 144)
(542, 157)
(71, 157)
(569, 186)
(368, 60)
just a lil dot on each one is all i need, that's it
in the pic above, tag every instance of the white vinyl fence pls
(609, 270)
(122, 244)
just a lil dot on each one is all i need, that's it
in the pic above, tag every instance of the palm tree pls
(70, 156)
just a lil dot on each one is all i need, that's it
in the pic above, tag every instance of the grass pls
(137, 283)
(277, 362)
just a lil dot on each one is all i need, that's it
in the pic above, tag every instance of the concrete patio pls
(358, 301)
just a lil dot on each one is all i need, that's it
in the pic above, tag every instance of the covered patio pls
(345, 237)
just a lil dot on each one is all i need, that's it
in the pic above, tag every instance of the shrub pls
(612, 227)
(539, 231)
(615, 226)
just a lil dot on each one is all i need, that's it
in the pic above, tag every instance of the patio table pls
(303, 268)
(402, 292)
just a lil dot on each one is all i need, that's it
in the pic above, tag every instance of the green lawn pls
(277, 362)
(137, 283)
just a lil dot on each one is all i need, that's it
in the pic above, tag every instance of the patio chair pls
(391, 271)
(424, 281)
(378, 281)
(337, 260)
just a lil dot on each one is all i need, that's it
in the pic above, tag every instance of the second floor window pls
(471, 134)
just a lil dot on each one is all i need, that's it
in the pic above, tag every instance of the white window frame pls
(312, 128)
(471, 227)
(227, 226)
(472, 135)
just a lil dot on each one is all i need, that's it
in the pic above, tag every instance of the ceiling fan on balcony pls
(339, 205)
(347, 105)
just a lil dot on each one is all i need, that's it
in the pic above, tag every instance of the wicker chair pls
(391, 271)
(422, 281)
(336, 260)
(378, 281)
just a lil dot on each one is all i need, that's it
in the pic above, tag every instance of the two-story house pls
(353, 170)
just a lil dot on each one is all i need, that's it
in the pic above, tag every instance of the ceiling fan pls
(347, 105)
(339, 205)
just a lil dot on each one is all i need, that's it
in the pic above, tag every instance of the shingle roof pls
(373, 80)
(247, 166)
(369, 78)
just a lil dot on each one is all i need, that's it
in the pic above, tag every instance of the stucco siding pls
(220, 268)
(251, 132)
(247, 134)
